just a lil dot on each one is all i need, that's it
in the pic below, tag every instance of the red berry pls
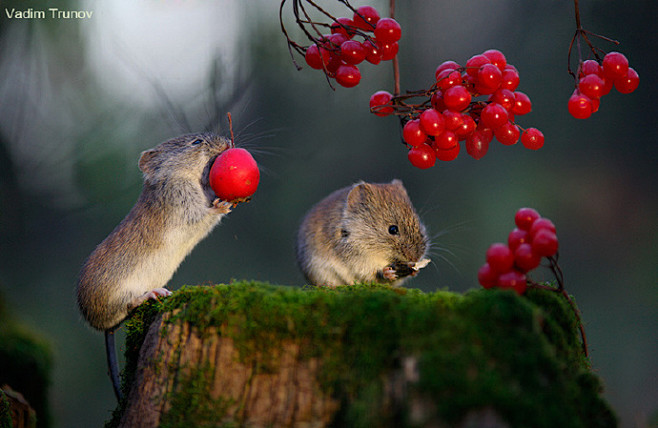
(497, 58)
(334, 63)
(313, 59)
(525, 218)
(477, 144)
(437, 101)
(486, 131)
(608, 83)
(453, 120)
(344, 27)
(522, 104)
(352, 52)
(474, 63)
(596, 102)
(489, 79)
(541, 224)
(457, 98)
(234, 175)
(508, 134)
(615, 65)
(513, 280)
(448, 78)
(628, 83)
(388, 50)
(412, 133)
(579, 106)
(591, 86)
(590, 67)
(380, 103)
(500, 258)
(333, 41)
(446, 65)
(432, 122)
(525, 259)
(466, 128)
(504, 97)
(366, 18)
(348, 75)
(493, 116)
(487, 277)
(532, 138)
(422, 157)
(373, 53)
(544, 243)
(447, 155)
(446, 141)
(517, 237)
(510, 78)
(388, 30)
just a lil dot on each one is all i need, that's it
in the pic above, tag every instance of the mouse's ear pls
(359, 194)
(397, 184)
(145, 160)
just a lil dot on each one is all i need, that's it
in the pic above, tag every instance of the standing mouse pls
(362, 233)
(176, 209)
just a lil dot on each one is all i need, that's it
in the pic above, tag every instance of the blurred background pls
(81, 98)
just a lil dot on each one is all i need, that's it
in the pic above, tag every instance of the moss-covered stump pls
(251, 354)
(25, 367)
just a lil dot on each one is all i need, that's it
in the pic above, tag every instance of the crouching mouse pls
(362, 233)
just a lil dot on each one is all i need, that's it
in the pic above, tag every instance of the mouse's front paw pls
(221, 206)
(389, 273)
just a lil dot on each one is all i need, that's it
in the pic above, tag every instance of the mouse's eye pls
(393, 230)
(197, 142)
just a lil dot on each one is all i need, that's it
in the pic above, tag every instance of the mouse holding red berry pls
(177, 208)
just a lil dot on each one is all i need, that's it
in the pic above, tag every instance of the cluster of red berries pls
(596, 80)
(506, 265)
(434, 131)
(339, 53)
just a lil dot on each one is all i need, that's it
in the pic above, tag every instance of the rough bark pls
(287, 396)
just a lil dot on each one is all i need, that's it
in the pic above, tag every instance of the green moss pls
(191, 405)
(25, 364)
(520, 356)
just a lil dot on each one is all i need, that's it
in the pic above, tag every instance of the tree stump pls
(257, 355)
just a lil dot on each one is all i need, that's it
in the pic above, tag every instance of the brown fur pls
(345, 238)
(176, 209)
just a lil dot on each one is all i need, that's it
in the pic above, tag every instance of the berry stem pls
(230, 127)
(291, 44)
(583, 33)
(396, 64)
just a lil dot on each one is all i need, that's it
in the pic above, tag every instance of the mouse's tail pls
(112, 363)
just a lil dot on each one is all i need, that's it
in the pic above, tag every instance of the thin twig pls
(396, 64)
(230, 127)
(584, 34)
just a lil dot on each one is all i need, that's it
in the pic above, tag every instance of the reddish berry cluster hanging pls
(364, 37)
(451, 113)
(595, 80)
(507, 265)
